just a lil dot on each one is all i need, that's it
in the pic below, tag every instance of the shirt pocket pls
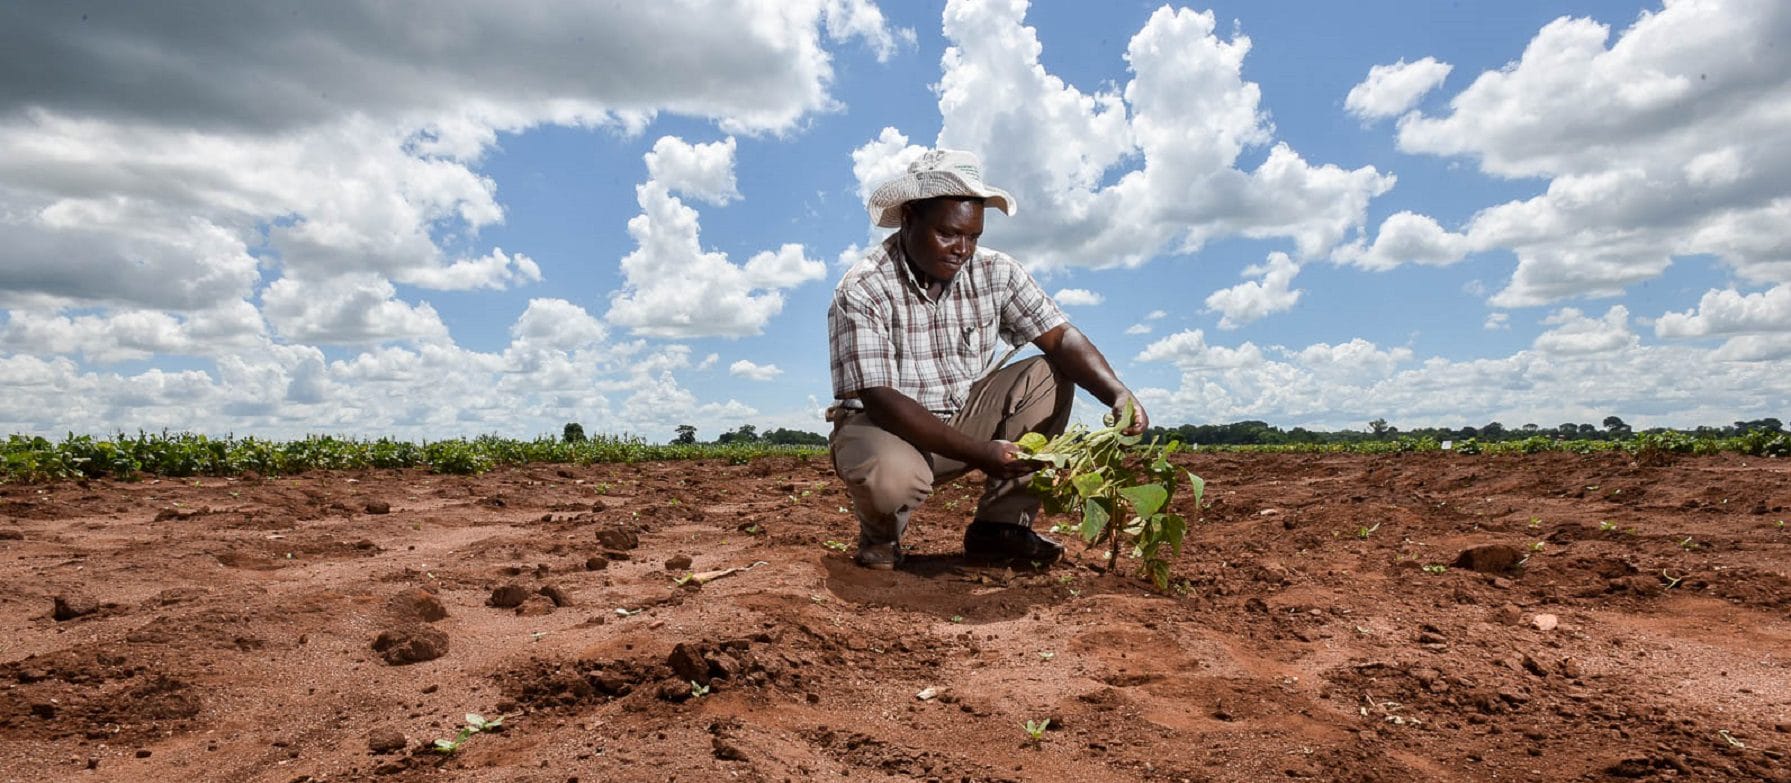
(976, 344)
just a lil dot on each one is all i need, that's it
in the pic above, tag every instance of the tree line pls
(1260, 433)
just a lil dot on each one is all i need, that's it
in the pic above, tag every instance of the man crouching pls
(921, 397)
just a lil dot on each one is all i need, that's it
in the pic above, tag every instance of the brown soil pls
(228, 629)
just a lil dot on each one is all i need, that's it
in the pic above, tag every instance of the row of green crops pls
(1756, 443)
(25, 458)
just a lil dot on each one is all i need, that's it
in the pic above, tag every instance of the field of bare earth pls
(1419, 617)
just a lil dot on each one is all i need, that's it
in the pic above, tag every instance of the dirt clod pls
(411, 644)
(378, 507)
(678, 563)
(555, 594)
(535, 606)
(385, 740)
(1490, 559)
(596, 563)
(68, 607)
(618, 539)
(508, 596)
(417, 604)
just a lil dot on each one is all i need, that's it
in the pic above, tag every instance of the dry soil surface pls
(1395, 618)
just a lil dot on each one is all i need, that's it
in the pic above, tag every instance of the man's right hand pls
(1002, 459)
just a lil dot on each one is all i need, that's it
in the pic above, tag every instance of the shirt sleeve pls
(1027, 311)
(859, 346)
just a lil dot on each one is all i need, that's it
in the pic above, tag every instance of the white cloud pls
(1730, 312)
(756, 372)
(1078, 297)
(1346, 385)
(1390, 90)
(1172, 135)
(674, 288)
(1670, 141)
(1406, 238)
(862, 19)
(1155, 315)
(497, 271)
(704, 172)
(1577, 334)
(1497, 322)
(346, 310)
(1138, 329)
(1268, 294)
(707, 362)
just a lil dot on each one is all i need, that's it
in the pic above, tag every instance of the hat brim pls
(885, 204)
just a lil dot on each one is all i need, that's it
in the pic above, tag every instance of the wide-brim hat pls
(936, 173)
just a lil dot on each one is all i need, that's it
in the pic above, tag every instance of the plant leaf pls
(1095, 515)
(1088, 484)
(1032, 442)
(1146, 499)
(1197, 485)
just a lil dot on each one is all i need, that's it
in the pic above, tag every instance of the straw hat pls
(936, 173)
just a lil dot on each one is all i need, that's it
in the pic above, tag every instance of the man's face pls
(940, 234)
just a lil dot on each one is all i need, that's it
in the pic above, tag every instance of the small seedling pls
(1671, 580)
(1436, 568)
(837, 546)
(1536, 546)
(1733, 742)
(1035, 730)
(698, 690)
(1047, 655)
(1688, 544)
(1607, 526)
(1780, 525)
(957, 618)
(685, 579)
(475, 723)
(1535, 522)
(1364, 532)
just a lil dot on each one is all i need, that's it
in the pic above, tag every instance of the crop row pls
(26, 458)
(1647, 446)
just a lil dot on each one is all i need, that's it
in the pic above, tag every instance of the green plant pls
(837, 546)
(1035, 730)
(1607, 526)
(475, 723)
(1436, 568)
(1364, 532)
(698, 690)
(1122, 489)
(1688, 544)
(1536, 546)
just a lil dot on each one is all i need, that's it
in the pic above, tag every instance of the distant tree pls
(1587, 430)
(1568, 430)
(783, 437)
(746, 434)
(1616, 428)
(1492, 431)
(1531, 428)
(1378, 427)
(686, 435)
(573, 433)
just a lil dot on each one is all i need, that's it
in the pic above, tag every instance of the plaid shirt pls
(883, 330)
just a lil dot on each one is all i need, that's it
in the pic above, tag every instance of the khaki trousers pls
(887, 477)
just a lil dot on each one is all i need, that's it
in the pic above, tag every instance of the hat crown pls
(963, 164)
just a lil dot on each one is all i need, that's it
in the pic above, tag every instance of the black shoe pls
(999, 542)
(879, 557)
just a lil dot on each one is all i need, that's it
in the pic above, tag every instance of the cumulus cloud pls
(674, 288)
(1268, 293)
(1757, 326)
(1078, 297)
(1390, 90)
(1116, 177)
(1406, 238)
(1670, 141)
(704, 172)
(1577, 333)
(1346, 385)
(1138, 329)
(756, 372)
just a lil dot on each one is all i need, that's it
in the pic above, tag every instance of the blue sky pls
(445, 219)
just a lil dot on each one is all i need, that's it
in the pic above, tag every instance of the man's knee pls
(884, 485)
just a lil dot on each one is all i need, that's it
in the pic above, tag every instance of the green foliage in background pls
(27, 458)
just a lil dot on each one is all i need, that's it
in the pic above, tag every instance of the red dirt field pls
(225, 630)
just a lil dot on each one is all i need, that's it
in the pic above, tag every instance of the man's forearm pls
(1078, 359)
(901, 415)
